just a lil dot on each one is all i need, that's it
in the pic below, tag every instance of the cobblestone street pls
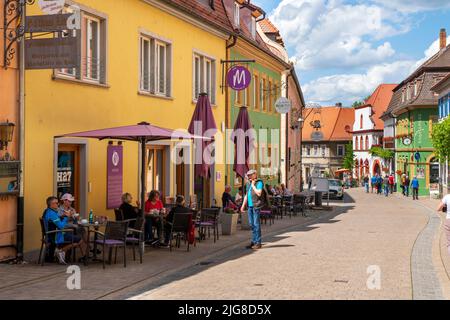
(328, 255)
(330, 259)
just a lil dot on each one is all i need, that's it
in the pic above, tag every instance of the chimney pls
(339, 104)
(443, 39)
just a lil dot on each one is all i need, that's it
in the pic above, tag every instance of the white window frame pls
(342, 148)
(237, 18)
(89, 64)
(205, 81)
(261, 94)
(253, 27)
(158, 45)
(315, 150)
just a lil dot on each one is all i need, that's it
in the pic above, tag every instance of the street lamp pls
(6, 134)
(301, 122)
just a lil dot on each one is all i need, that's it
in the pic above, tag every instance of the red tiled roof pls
(268, 27)
(379, 100)
(336, 122)
(217, 17)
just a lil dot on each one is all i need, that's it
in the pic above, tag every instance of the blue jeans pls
(386, 190)
(255, 224)
(407, 191)
(367, 186)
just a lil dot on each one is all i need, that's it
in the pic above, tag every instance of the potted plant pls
(229, 221)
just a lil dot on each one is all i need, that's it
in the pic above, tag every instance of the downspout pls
(287, 162)
(227, 107)
(20, 199)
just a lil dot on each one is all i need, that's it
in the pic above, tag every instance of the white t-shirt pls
(446, 201)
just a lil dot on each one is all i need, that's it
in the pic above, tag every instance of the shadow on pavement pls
(239, 251)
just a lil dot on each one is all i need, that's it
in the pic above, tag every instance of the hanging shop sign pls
(47, 23)
(52, 53)
(283, 105)
(51, 6)
(417, 156)
(115, 176)
(239, 78)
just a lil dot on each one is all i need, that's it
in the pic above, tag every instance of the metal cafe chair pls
(209, 219)
(114, 236)
(135, 237)
(180, 228)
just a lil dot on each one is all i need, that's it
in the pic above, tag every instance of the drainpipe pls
(287, 165)
(20, 199)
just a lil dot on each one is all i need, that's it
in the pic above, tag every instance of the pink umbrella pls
(142, 132)
(243, 137)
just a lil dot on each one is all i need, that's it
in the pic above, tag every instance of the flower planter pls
(229, 223)
(245, 225)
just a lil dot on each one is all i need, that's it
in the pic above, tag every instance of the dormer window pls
(253, 27)
(237, 19)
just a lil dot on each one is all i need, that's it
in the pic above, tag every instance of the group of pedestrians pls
(385, 185)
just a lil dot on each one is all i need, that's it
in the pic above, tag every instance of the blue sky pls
(344, 48)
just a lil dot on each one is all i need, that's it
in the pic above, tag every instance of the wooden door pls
(68, 172)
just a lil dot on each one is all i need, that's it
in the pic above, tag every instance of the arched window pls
(361, 122)
(361, 142)
(367, 143)
(356, 143)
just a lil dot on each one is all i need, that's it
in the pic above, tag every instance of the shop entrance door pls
(68, 172)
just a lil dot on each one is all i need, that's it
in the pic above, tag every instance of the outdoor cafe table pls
(89, 227)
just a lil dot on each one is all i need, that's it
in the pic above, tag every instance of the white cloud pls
(410, 6)
(348, 88)
(429, 52)
(333, 34)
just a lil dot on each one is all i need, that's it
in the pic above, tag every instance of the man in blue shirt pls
(415, 188)
(52, 221)
(254, 201)
(373, 183)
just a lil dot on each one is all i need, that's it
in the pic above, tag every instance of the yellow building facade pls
(140, 61)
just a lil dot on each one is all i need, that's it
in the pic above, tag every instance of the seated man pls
(179, 208)
(52, 221)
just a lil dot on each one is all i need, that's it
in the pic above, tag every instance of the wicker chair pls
(115, 236)
(48, 242)
(180, 228)
(119, 214)
(209, 219)
(135, 237)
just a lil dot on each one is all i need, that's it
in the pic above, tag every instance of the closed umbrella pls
(203, 124)
(243, 137)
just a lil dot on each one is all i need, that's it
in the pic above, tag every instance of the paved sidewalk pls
(336, 258)
(31, 281)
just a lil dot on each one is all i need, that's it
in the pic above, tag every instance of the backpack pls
(264, 198)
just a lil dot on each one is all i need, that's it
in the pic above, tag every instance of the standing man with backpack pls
(254, 199)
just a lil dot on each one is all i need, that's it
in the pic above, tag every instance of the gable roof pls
(267, 26)
(379, 102)
(336, 123)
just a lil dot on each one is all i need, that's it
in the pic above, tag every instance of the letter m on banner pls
(238, 78)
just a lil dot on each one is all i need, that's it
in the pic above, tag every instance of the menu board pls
(9, 176)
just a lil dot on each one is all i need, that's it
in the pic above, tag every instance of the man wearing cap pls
(254, 202)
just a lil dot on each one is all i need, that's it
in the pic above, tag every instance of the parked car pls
(336, 189)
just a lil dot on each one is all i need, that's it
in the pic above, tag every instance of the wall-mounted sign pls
(51, 6)
(317, 136)
(47, 23)
(52, 53)
(283, 105)
(114, 176)
(239, 78)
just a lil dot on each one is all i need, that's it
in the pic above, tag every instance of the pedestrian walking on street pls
(415, 188)
(444, 206)
(402, 183)
(366, 183)
(386, 185)
(255, 198)
(379, 184)
(391, 183)
(373, 183)
(407, 183)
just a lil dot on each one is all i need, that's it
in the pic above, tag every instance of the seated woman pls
(52, 221)
(227, 197)
(179, 208)
(128, 210)
(153, 208)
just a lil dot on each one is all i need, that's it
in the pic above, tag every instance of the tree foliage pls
(382, 153)
(441, 139)
(349, 157)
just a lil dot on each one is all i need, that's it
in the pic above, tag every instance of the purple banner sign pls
(114, 176)
(239, 78)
